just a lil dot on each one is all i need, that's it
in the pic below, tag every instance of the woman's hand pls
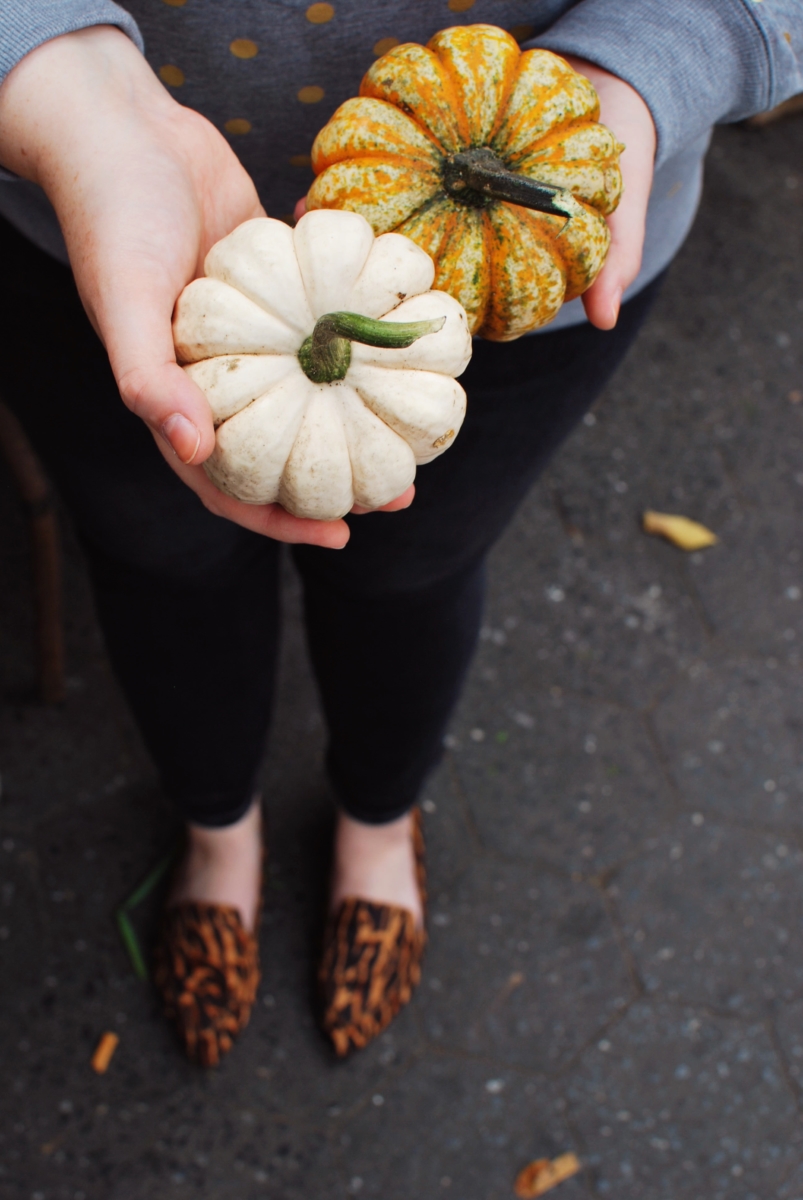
(142, 188)
(629, 118)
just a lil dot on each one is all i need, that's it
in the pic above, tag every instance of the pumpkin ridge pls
(411, 116)
(348, 114)
(578, 267)
(550, 103)
(558, 132)
(447, 103)
(536, 111)
(503, 103)
(513, 131)
(355, 185)
(395, 160)
(562, 133)
(602, 161)
(462, 261)
(434, 201)
(511, 258)
(488, 238)
(474, 69)
(558, 248)
(261, 396)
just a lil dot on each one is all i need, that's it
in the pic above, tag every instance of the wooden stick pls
(38, 499)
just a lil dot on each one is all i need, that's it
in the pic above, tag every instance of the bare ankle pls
(375, 862)
(223, 866)
(215, 840)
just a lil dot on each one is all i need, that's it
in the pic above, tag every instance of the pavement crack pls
(786, 1070)
(568, 525)
(628, 958)
(662, 758)
(693, 592)
(463, 801)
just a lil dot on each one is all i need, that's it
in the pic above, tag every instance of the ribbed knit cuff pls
(695, 62)
(26, 24)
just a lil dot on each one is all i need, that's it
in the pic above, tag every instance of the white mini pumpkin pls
(307, 414)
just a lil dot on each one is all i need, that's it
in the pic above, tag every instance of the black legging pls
(189, 602)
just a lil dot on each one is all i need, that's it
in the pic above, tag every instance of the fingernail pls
(182, 437)
(616, 304)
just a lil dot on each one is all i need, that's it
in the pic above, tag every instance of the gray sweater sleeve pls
(695, 62)
(25, 24)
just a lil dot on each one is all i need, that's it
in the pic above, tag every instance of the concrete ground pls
(616, 962)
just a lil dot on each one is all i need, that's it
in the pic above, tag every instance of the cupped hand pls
(628, 117)
(142, 187)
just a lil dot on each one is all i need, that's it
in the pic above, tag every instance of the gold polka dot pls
(176, 3)
(311, 95)
(522, 32)
(319, 14)
(244, 48)
(385, 44)
(461, 5)
(300, 160)
(237, 125)
(172, 76)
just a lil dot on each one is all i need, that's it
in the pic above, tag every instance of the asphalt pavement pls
(615, 837)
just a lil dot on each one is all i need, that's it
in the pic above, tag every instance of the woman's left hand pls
(628, 117)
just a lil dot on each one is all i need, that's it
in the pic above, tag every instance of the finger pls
(300, 208)
(603, 299)
(270, 520)
(135, 324)
(402, 501)
(627, 226)
(624, 111)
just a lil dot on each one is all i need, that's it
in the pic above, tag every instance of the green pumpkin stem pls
(476, 177)
(326, 354)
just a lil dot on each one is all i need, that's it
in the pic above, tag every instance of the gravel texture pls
(615, 840)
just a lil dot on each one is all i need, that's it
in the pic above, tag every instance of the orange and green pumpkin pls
(491, 159)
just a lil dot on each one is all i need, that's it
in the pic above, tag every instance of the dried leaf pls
(103, 1052)
(786, 109)
(544, 1174)
(680, 531)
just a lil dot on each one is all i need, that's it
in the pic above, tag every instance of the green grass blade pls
(131, 943)
(124, 926)
(148, 884)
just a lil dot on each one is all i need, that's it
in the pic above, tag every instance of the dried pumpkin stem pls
(476, 177)
(325, 355)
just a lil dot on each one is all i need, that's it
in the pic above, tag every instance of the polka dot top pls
(269, 74)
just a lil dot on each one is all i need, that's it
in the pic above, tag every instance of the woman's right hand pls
(142, 188)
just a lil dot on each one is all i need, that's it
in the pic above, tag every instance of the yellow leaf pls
(544, 1174)
(680, 531)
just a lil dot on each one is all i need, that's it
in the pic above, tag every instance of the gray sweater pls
(269, 73)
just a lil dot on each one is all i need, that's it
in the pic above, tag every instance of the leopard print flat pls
(371, 963)
(206, 967)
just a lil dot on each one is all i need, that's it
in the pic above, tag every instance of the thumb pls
(135, 325)
(603, 299)
(173, 406)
